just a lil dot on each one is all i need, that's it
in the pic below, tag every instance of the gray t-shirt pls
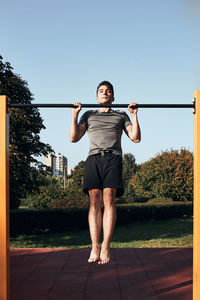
(105, 129)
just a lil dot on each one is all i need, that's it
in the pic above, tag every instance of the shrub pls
(55, 196)
(62, 220)
(168, 175)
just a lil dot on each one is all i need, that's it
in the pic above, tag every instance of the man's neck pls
(105, 109)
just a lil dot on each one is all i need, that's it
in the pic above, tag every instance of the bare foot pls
(94, 254)
(105, 254)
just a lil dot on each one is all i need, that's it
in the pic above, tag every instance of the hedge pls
(24, 221)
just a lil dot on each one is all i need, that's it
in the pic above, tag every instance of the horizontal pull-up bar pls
(54, 105)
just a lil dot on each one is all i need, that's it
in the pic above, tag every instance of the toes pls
(93, 259)
(103, 261)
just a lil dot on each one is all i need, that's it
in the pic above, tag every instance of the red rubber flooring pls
(59, 274)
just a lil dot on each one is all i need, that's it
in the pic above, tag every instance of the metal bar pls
(4, 201)
(196, 200)
(55, 105)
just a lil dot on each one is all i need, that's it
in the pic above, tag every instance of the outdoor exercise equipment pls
(63, 105)
(4, 183)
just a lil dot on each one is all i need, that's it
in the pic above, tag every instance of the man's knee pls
(95, 197)
(109, 195)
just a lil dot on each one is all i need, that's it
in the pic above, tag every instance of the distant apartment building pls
(50, 161)
(69, 172)
(61, 164)
(57, 164)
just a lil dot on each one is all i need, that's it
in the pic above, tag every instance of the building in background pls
(61, 164)
(69, 171)
(50, 161)
(57, 163)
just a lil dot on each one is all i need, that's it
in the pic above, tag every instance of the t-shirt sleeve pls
(84, 120)
(127, 120)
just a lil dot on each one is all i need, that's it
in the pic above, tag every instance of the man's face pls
(104, 95)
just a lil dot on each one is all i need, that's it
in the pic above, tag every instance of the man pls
(103, 167)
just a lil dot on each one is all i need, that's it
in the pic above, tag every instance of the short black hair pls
(107, 83)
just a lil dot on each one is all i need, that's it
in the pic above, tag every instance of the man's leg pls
(109, 220)
(95, 223)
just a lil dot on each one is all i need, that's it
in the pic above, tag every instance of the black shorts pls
(103, 171)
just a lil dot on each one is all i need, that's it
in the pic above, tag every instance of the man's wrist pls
(75, 117)
(134, 114)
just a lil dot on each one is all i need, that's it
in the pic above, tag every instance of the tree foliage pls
(168, 175)
(25, 144)
(53, 195)
(78, 174)
(129, 168)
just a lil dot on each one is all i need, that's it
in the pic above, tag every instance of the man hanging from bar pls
(103, 167)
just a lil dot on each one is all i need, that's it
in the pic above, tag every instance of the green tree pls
(167, 175)
(25, 144)
(129, 168)
(78, 174)
(52, 194)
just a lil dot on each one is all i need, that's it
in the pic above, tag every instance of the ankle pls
(95, 245)
(105, 244)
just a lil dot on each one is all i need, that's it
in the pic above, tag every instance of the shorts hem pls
(119, 193)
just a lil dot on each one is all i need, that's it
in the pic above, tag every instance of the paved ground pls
(59, 274)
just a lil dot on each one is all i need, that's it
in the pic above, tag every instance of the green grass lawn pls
(169, 233)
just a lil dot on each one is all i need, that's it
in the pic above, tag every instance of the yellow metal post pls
(4, 201)
(196, 206)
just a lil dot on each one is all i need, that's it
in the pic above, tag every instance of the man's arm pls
(133, 130)
(76, 130)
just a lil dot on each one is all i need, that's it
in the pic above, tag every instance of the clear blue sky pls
(147, 49)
